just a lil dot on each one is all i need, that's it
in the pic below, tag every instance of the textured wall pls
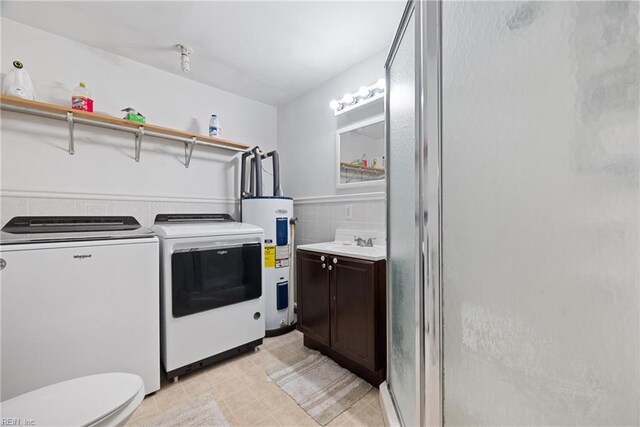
(541, 213)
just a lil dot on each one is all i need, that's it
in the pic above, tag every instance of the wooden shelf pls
(361, 168)
(35, 106)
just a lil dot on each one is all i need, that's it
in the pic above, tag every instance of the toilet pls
(95, 400)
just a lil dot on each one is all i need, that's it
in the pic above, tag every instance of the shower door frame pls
(430, 141)
(429, 392)
(409, 12)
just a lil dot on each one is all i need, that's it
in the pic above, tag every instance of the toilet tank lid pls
(80, 401)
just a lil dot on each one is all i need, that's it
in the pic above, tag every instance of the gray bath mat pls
(202, 411)
(319, 385)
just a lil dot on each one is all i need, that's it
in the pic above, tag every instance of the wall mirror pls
(360, 154)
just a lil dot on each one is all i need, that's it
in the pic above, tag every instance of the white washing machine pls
(212, 303)
(79, 297)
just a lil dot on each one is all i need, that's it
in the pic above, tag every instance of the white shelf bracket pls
(139, 134)
(70, 123)
(188, 151)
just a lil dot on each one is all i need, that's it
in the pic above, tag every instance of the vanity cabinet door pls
(353, 309)
(313, 296)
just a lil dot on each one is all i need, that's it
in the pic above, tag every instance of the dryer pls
(212, 303)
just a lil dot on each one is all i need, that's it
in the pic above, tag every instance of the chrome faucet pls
(367, 243)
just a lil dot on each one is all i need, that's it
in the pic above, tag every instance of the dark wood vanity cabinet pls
(342, 310)
(314, 300)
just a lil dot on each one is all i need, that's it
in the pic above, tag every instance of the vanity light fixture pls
(364, 95)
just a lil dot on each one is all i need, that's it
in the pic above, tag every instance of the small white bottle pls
(214, 126)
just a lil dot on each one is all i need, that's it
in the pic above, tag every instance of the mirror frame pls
(379, 118)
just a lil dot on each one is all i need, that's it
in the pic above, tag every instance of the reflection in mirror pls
(360, 151)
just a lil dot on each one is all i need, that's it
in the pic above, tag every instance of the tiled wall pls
(143, 211)
(317, 221)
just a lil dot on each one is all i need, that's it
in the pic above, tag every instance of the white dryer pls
(79, 297)
(212, 303)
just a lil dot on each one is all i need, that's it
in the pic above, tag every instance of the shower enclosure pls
(513, 214)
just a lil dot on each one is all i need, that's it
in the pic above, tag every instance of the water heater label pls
(269, 256)
(282, 256)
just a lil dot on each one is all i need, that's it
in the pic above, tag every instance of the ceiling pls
(270, 51)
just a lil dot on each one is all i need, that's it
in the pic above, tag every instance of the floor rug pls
(202, 411)
(319, 385)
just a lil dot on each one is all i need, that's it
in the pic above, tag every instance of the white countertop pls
(346, 248)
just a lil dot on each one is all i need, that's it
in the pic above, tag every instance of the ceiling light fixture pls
(364, 95)
(185, 51)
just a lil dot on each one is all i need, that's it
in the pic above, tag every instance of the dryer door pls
(208, 278)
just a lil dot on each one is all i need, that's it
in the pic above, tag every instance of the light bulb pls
(334, 105)
(363, 92)
(348, 99)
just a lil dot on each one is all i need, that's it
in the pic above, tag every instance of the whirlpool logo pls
(222, 252)
(82, 256)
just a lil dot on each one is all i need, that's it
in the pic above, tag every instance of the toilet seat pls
(83, 401)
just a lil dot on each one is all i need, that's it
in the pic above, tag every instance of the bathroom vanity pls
(341, 295)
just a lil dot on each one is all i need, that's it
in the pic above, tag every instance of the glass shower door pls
(540, 214)
(403, 373)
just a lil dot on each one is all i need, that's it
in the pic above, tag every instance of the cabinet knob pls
(322, 258)
(330, 268)
(324, 265)
(335, 260)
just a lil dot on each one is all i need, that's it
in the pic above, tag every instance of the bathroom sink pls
(349, 249)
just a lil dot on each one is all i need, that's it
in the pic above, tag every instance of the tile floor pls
(241, 390)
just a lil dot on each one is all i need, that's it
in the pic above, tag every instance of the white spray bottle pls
(18, 83)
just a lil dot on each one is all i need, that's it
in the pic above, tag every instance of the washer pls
(212, 303)
(79, 297)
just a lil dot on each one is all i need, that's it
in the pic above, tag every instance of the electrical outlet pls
(348, 211)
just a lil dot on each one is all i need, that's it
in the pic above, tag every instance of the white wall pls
(39, 177)
(306, 143)
(307, 127)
